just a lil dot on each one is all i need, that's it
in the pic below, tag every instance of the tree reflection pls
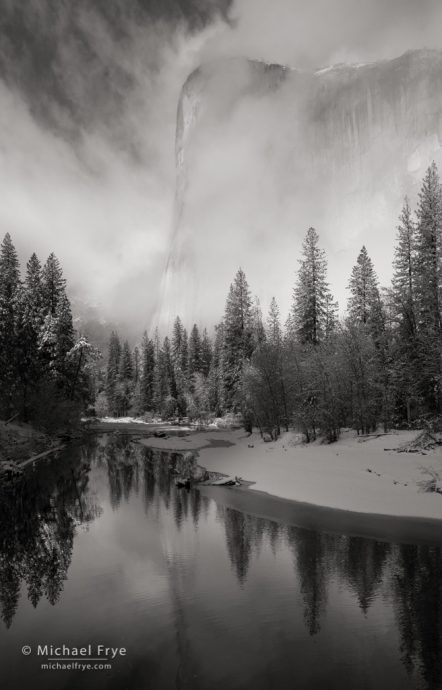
(310, 552)
(121, 458)
(363, 565)
(239, 535)
(38, 516)
(417, 583)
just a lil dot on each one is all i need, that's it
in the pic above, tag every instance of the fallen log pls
(39, 456)
(226, 481)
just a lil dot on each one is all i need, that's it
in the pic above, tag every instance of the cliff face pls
(263, 152)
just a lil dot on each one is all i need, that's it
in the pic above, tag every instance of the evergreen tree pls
(125, 388)
(429, 287)
(364, 305)
(126, 368)
(404, 277)
(136, 361)
(32, 320)
(216, 373)
(195, 351)
(258, 330)
(331, 316)
(311, 298)
(158, 380)
(406, 370)
(112, 371)
(179, 355)
(34, 292)
(147, 379)
(177, 342)
(64, 334)
(53, 284)
(10, 295)
(238, 340)
(39, 369)
(206, 354)
(168, 374)
(274, 331)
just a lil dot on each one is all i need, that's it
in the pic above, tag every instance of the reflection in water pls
(310, 550)
(38, 516)
(364, 568)
(418, 588)
(41, 514)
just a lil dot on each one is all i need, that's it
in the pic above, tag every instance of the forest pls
(380, 364)
(45, 366)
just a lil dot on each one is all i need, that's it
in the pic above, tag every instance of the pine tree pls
(180, 354)
(136, 361)
(216, 373)
(64, 333)
(34, 289)
(206, 354)
(126, 387)
(10, 296)
(185, 358)
(169, 398)
(258, 330)
(195, 351)
(404, 277)
(406, 369)
(126, 369)
(274, 331)
(147, 378)
(112, 372)
(311, 298)
(53, 284)
(429, 286)
(177, 342)
(238, 340)
(364, 305)
(158, 393)
(33, 314)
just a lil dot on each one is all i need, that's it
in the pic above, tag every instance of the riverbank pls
(20, 441)
(354, 474)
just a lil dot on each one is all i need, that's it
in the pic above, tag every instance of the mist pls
(87, 139)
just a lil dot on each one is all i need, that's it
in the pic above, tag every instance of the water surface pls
(98, 546)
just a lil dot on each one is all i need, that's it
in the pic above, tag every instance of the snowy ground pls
(353, 474)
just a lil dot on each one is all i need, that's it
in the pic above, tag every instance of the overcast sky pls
(89, 93)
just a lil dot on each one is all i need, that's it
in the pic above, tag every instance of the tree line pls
(44, 364)
(381, 364)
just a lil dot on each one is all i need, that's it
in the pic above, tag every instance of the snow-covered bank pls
(130, 424)
(355, 474)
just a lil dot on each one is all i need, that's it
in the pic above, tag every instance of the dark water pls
(99, 547)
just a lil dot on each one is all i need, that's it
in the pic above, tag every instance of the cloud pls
(312, 33)
(87, 145)
(87, 127)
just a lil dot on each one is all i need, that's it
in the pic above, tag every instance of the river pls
(98, 546)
